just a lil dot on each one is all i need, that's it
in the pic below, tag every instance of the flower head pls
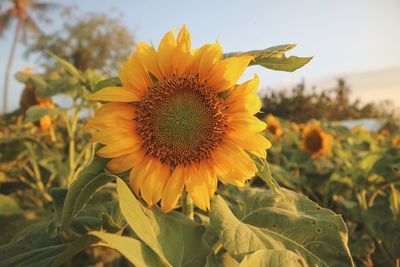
(395, 142)
(45, 121)
(315, 140)
(273, 125)
(172, 128)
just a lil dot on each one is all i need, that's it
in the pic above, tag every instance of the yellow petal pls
(110, 122)
(118, 149)
(134, 75)
(250, 141)
(244, 122)
(244, 98)
(227, 72)
(165, 52)
(181, 57)
(136, 175)
(122, 163)
(117, 94)
(198, 186)
(153, 184)
(148, 56)
(122, 110)
(232, 164)
(116, 136)
(173, 189)
(209, 58)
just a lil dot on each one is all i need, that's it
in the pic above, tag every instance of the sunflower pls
(180, 122)
(45, 122)
(315, 140)
(395, 142)
(273, 125)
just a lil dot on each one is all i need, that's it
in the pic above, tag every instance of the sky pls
(343, 36)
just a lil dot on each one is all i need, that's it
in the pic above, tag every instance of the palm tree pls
(20, 10)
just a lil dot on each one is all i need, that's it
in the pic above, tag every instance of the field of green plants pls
(174, 162)
(328, 197)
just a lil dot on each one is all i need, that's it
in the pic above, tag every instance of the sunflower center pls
(314, 141)
(181, 120)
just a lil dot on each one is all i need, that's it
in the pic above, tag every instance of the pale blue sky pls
(342, 35)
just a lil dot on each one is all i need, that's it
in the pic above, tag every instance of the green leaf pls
(66, 65)
(8, 206)
(87, 180)
(58, 195)
(274, 58)
(138, 221)
(195, 249)
(265, 174)
(114, 81)
(58, 86)
(282, 63)
(221, 261)
(36, 112)
(268, 52)
(382, 226)
(134, 250)
(75, 247)
(267, 220)
(31, 247)
(159, 230)
(272, 258)
(394, 201)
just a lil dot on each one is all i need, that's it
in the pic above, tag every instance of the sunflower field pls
(171, 163)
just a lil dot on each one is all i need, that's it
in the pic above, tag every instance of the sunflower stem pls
(187, 205)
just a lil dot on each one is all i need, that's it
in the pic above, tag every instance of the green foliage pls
(8, 206)
(86, 181)
(262, 219)
(274, 58)
(34, 113)
(272, 258)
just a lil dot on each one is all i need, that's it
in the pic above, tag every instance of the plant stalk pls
(187, 205)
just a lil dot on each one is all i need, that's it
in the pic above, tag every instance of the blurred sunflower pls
(29, 98)
(315, 140)
(45, 121)
(273, 125)
(395, 142)
(172, 128)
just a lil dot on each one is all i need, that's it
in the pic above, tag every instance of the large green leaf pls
(174, 238)
(134, 250)
(35, 246)
(31, 247)
(87, 180)
(36, 112)
(272, 258)
(73, 248)
(382, 226)
(134, 214)
(264, 219)
(274, 58)
(282, 63)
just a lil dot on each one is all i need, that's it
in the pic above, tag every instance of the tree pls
(95, 42)
(301, 105)
(24, 12)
